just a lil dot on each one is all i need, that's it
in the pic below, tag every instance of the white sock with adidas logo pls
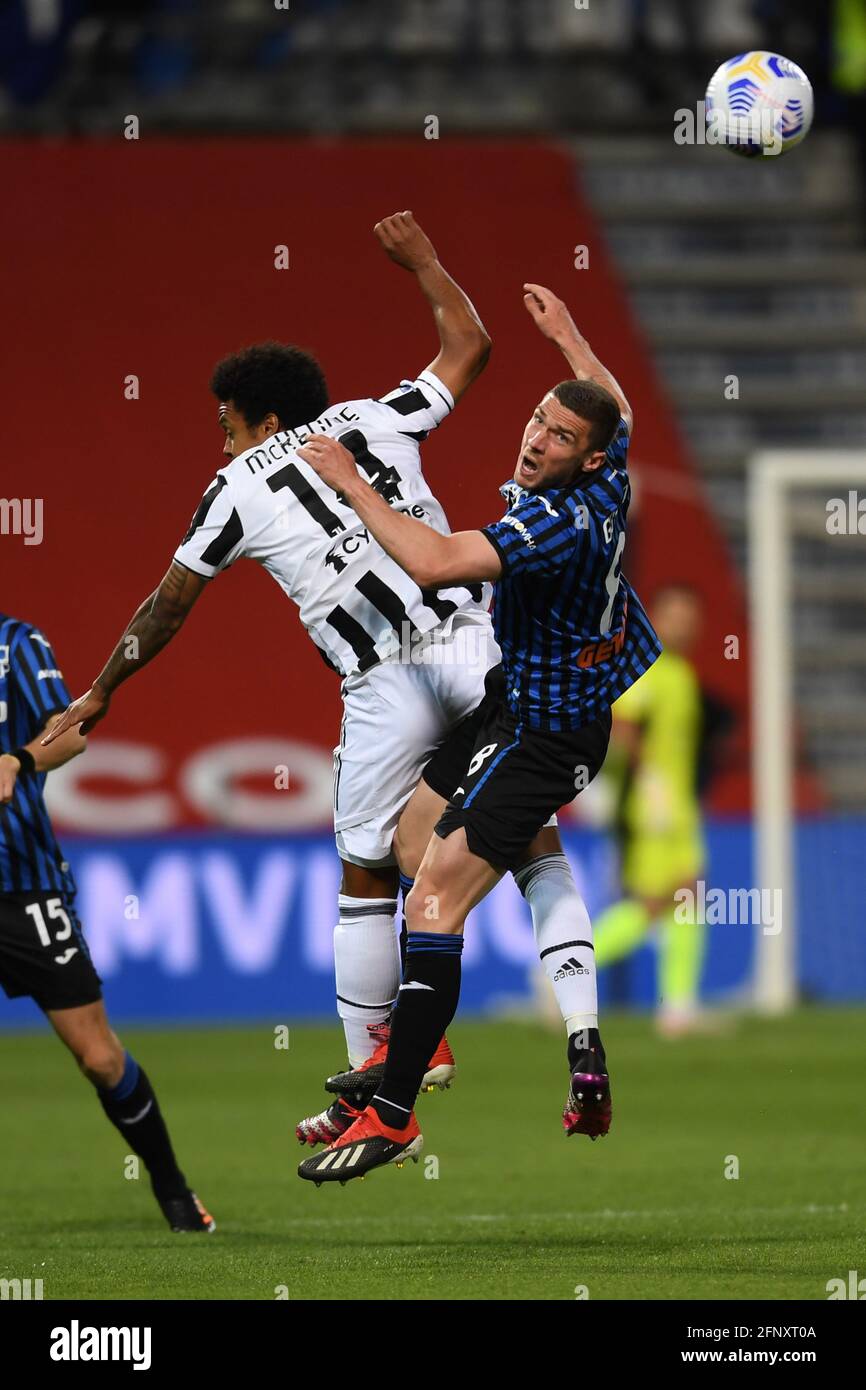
(563, 934)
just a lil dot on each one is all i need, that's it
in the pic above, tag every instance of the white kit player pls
(413, 662)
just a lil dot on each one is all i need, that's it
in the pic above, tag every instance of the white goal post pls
(773, 477)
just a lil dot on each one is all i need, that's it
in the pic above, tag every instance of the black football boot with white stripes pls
(368, 1143)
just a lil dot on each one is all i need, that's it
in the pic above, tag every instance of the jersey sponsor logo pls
(336, 556)
(4, 662)
(50, 675)
(351, 544)
(595, 652)
(522, 530)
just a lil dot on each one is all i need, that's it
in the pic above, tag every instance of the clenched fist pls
(404, 241)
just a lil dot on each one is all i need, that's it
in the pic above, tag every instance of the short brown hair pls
(593, 403)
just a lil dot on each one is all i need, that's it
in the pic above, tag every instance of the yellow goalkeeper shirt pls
(666, 703)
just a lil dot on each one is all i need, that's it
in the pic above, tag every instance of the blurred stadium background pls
(151, 257)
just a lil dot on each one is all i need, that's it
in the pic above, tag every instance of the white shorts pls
(395, 716)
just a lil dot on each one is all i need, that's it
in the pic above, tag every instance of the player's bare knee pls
(102, 1061)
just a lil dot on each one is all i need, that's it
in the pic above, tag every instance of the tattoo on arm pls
(153, 625)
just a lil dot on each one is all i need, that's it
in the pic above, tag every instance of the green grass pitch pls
(516, 1210)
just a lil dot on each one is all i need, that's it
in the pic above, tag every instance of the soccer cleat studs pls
(588, 1106)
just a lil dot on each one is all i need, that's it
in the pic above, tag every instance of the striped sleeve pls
(38, 679)
(609, 486)
(215, 538)
(534, 537)
(617, 449)
(417, 407)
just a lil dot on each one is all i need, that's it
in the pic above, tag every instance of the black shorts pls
(43, 953)
(503, 781)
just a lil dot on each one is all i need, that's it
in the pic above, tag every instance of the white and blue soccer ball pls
(759, 103)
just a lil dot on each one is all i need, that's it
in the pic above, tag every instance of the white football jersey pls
(357, 604)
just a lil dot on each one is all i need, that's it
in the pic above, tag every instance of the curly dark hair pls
(272, 378)
(590, 401)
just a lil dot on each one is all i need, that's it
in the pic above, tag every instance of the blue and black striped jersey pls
(572, 630)
(31, 690)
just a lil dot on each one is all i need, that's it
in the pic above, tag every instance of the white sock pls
(563, 934)
(367, 969)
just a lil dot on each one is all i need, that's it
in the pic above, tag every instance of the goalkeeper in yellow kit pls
(657, 732)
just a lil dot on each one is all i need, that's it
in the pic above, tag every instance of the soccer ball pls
(759, 103)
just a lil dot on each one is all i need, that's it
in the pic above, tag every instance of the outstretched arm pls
(69, 745)
(553, 319)
(152, 626)
(432, 560)
(464, 344)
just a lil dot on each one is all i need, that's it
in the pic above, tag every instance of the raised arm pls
(464, 344)
(152, 626)
(553, 319)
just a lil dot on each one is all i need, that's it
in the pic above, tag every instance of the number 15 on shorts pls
(55, 910)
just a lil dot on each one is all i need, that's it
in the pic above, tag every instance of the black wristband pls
(25, 758)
